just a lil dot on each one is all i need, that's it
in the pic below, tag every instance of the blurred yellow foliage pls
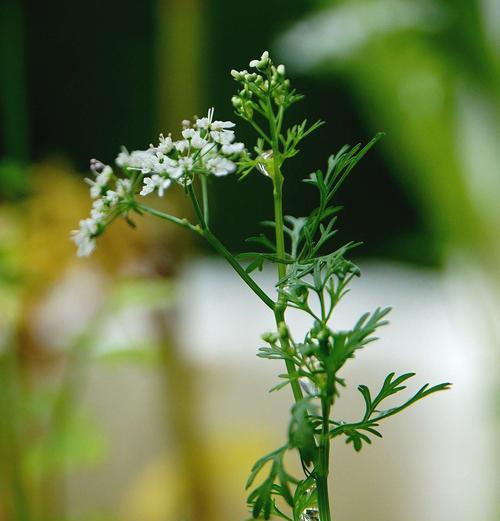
(36, 250)
(159, 493)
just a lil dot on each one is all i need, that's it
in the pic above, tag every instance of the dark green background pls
(90, 80)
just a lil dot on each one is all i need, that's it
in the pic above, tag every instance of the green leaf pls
(277, 483)
(358, 433)
(301, 431)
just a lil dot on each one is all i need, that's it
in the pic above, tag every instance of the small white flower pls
(209, 148)
(181, 145)
(111, 197)
(186, 163)
(98, 211)
(239, 75)
(166, 144)
(155, 182)
(163, 163)
(223, 137)
(175, 171)
(103, 175)
(123, 187)
(123, 158)
(143, 160)
(163, 185)
(220, 166)
(220, 125)
(149, 186)
(262, 62)
(204, 123)
(84, 237)
(234, 148)
(197, 141)
(188, 133)
(96, 166)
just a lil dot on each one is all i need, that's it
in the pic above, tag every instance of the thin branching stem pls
(204, 232)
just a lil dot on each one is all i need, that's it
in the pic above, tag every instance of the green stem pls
(259, 131)
(10, 438)
(213, 241)
(278, 218)
(205, 232)
(221, 249)
(279, 312)
(165, 216)
(204, 194)
(322, 469)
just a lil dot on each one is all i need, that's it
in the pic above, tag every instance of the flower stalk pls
(313, 274)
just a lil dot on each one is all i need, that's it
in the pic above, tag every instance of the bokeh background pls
(129, 386)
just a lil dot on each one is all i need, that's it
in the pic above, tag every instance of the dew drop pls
(263, 167)
(310, 514)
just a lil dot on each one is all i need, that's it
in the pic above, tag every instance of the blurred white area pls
(478, 129)
(491, 15)
(338, 32)
(435, 461)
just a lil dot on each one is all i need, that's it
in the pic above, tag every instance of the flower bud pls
(238, 75)
(270, 338)
(245, 93)
(236, 101)
(283, 331)
(323, 335)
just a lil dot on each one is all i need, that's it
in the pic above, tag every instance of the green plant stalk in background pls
(11, 476)
(312, 277)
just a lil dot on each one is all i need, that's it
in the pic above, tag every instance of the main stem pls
(277, 178)
(279, 310)
(322, 467)
(10, 450)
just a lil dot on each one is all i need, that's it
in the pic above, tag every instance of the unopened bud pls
(270, 338)
(236, 101)
(323, 335)
(283, 330)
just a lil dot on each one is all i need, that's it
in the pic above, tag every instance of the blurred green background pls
(79, 80)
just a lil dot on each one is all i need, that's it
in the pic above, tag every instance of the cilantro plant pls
(312, 275)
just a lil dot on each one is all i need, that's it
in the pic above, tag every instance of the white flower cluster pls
(207, 147)
(266, 78)
(107, 192)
